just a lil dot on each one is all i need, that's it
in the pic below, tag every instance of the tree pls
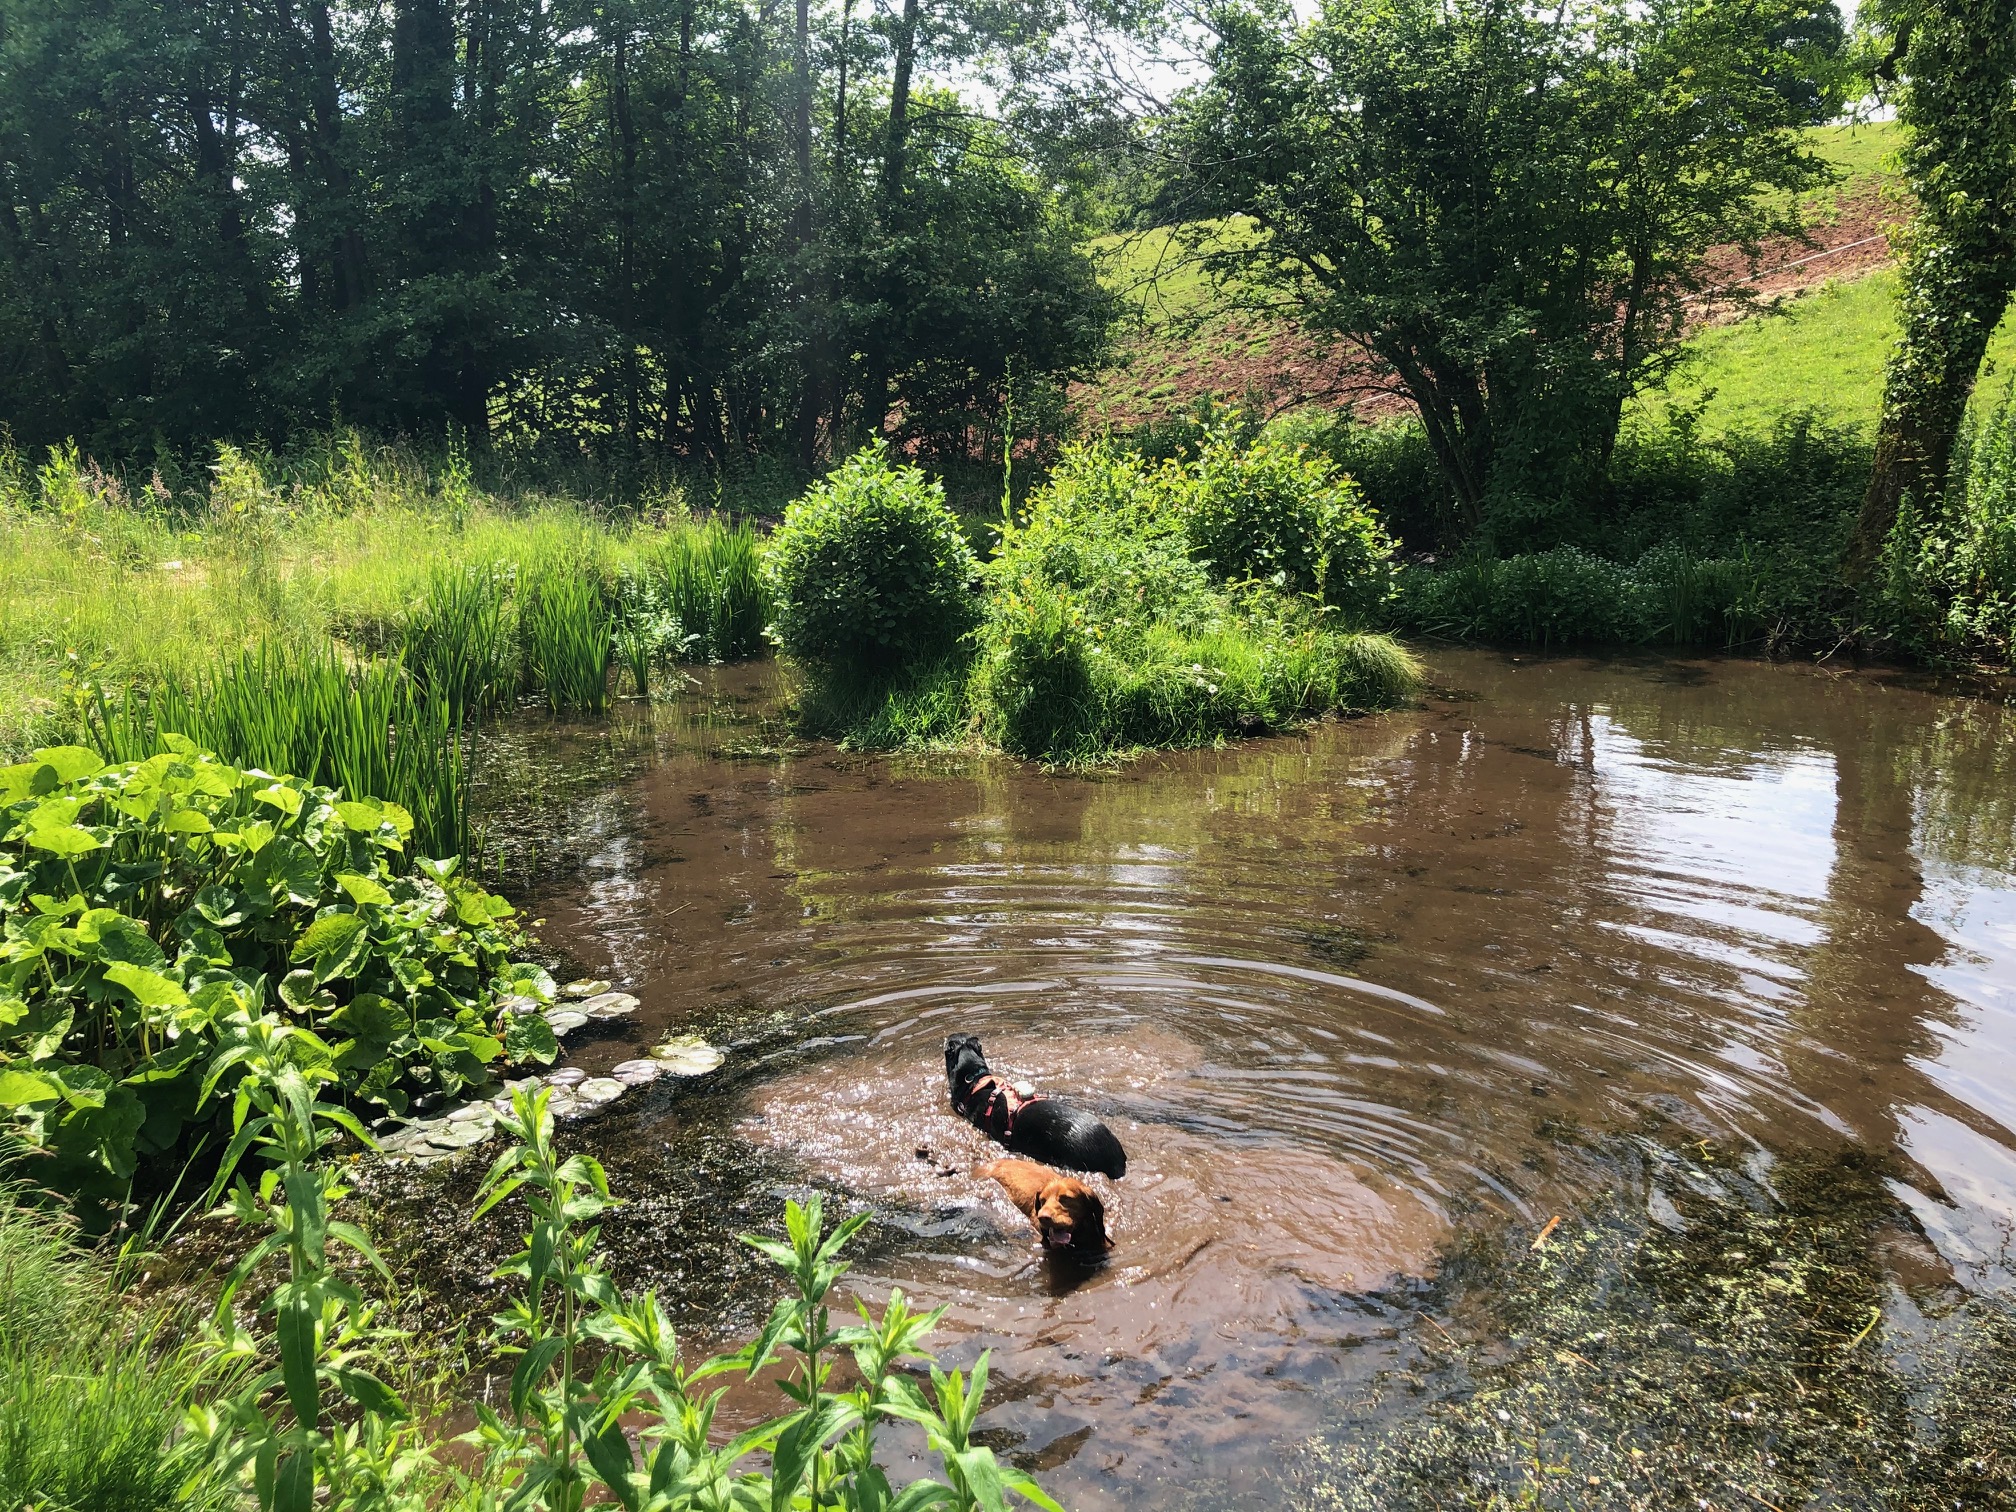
(683, 228)
(1503, 208)
(1958, 108)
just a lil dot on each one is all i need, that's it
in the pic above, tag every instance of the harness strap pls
(999, 1091)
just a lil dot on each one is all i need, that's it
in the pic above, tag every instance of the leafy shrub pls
(870, 571)
(1105, 631)
(1947, 581)
(149, 910)
(1034, 676)
(1284, 515)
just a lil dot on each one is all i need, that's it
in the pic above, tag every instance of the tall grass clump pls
(459, 643)
(92, 1394)
(569, 636)
(366, 728)
(713, 581)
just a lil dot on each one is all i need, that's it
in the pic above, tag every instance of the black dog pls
(1044, 1129)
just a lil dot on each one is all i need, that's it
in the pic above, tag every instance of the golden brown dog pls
(1067, 1213)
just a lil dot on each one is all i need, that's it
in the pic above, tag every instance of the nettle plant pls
(149, 911)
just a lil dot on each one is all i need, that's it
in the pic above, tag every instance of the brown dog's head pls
(1071, 1218)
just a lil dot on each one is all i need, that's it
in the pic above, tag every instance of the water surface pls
(1345, 996)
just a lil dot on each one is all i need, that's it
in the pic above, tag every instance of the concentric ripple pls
(1343, 996)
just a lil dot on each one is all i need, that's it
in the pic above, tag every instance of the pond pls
(1350, 998)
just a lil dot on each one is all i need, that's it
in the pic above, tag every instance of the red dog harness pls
(999, 1095)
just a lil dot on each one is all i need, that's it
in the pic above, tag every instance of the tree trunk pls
(1959, 108)
(809, 389)
(896, 146)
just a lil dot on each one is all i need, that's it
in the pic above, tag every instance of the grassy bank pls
(92, 1391)
(262, 608)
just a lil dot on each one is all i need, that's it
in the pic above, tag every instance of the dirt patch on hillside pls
(1170, 363)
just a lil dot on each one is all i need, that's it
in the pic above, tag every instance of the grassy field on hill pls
(1818, 345)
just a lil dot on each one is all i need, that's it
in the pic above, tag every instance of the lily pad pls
(586, 987)
(600, 1089)
(635, 1073)
(566, 1020)
(609, 1005)
(687, 1055)
(567, 1076)
(519, 1003)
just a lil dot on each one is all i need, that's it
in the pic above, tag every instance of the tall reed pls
(713, 582)
(367, 729)
(570, 639)
(459, 642)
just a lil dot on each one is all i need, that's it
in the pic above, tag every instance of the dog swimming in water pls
(1045, 1129)
(1069, 1217)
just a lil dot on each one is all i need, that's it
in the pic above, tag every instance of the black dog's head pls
(964, 1064)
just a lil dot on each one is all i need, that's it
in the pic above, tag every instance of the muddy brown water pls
(1340, 994)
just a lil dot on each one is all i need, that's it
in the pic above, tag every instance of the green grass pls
(1823, 352)
(91, 1392)
(366, 728)
(104, 580)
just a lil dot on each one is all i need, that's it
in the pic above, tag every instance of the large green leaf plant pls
(148, 908)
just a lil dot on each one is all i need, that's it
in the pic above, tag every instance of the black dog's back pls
(1045, 1129)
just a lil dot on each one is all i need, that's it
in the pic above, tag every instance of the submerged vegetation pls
(1748, 1344)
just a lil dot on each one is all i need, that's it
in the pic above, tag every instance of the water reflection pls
(1344, 994)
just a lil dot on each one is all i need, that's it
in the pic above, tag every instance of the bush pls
(1286, 516)
(148, 910)
(1947, 582)
(870, 572)
(1105, 632)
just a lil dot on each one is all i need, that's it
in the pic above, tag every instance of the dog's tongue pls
(1058, 1238)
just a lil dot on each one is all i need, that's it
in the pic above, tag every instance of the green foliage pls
(592, 1366)
(1569, 597)
(713, 583)
(459, 643)
(151, 912)
(1958, 108)
(1507, 208)
(569, 637)
(91, 1392)
(1946, 584)
(365, 728)
(611, 241)
(1106, 632)
(870, 572)
(1278, 513)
